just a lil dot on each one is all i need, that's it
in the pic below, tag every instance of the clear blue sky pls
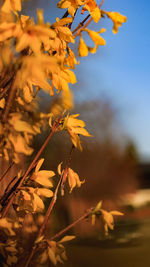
(121, 69)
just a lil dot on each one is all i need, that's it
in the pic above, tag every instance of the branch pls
(81, 25)
(5, 90)
(50, 208)
(84, 216)
(10, 166)
(53, 130)
(9, 101)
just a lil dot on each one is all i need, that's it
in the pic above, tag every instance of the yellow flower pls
(117, 19)
(75, 127)
(73, 179)
(108, 219)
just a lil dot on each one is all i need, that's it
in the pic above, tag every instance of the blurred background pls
(112, 95)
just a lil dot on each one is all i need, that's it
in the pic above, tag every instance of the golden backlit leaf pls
(39, 164)
(96, 38)
(83, 49)
(44, 192)
(2, 103)
(67, 238)
(52, 256)
(20, 144)
(38, 204)
(11, 5)
(117, 19)
(7, 225)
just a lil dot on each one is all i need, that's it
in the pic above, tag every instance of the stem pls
(50, 208)
(72, 224)
(65, 15)
(53, 130)
(81, 25)
(5, 90)
(9, 101)
(2, 177)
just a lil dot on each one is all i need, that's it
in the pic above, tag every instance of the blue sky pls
(121, 69)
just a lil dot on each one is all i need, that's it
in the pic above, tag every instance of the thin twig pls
(81, 25)
(65, 15)
(53, 130)
(5, 90)
(50, 208)
(10, 166)
(10, 100)
(66, 229)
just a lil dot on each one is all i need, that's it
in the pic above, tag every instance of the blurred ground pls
(127, 246)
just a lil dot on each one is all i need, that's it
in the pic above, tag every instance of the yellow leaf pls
(11, 5)
(44, 192)
(95, 14)
(21, 126)
(38, 204)
(40, 16)
(83, 49)
(27, 93)
(42, 177)
(43, 257)
(117, 19)
(72, 77)
(39, 164)
(59, 169)
(8, 30)
(2, 103)
(73, 179)
(67, 238)
(117, 213)
(20, 144)
(39, 239)
(93, 49)
(93, 219)
(93, 9)
(52, 256)
(97, 39)
(26, 196)
(5, 224)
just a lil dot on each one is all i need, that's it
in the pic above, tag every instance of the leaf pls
(38, 204)
(93, 219)
(4, 223)
(44, 192)
(40, 16)
(95, 14)
(44, 181)
(59, 168)
(43, 257)
(11, 5)
(39, 164)
(83, 49)
(117, 213)
(26, 196)
(39, 239)
(96, 38)
(117, 19)
(28, 93)
(20, 144)
(98, 206)
(67, 238)
(21, 126)
(52, 256)
(2, 103)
